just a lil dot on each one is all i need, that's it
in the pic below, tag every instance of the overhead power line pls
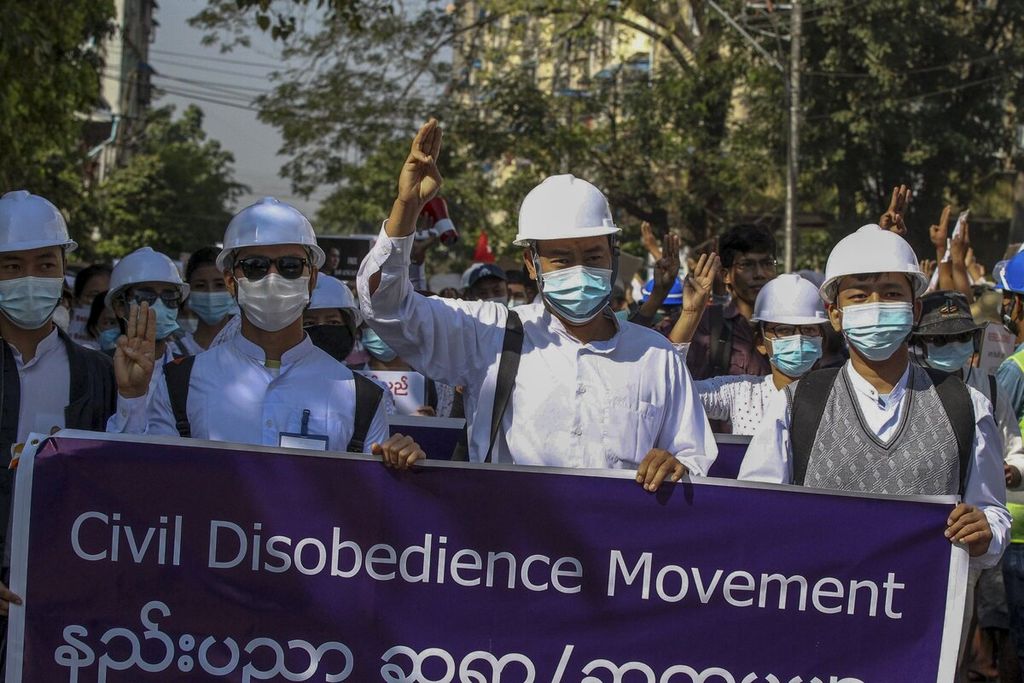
(215, 58)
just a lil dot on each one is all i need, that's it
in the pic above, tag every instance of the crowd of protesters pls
(864, 378)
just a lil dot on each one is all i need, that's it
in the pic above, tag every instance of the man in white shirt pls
(882, 424)
(589, 391)
(268, 384)
(48, 381)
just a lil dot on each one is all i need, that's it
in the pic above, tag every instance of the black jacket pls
(92, 400)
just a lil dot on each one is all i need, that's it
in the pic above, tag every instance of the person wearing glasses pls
(945, 339)
(790, 320)
(268, 384)
(151, 277)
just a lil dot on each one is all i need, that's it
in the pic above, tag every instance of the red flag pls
(483, 253)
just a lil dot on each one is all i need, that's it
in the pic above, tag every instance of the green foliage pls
(49, 62)
(894, 92)
(909, 92)
(172, 194)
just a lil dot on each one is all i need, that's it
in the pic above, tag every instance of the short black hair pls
(516, 277)
(200, 257)
(88, 273)
(745, 239)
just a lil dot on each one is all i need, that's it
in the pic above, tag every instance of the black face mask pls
(334, 339)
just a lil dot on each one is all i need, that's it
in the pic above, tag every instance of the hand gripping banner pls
(173, 560)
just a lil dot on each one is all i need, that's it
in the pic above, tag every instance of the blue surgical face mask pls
(794, 356)
(577, 294)
(166, 319)
(212, 307)
(877, 330)
(29, 301)
(108, 338)
(949, 357)
(376, 347)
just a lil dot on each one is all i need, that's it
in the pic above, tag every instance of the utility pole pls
(793, 155)
(791, 82)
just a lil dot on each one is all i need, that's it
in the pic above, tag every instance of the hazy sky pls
(214, 81)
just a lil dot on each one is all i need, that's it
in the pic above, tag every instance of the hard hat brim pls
(788, 319)
(829, 289)
(68, 245)
(319, 257)
(570, 234)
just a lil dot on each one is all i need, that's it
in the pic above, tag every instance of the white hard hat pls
(790, 300)
(28, 221)
(564, 207)
(144, 265)
(330, 292)
(269, 221)
(871, 250)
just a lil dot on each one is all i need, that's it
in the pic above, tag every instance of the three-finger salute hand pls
(420, 178)
(135, 356)
(658, 466)
(399, 452)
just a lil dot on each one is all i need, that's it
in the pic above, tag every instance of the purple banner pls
(189, 561)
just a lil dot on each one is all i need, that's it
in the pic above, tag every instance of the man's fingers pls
(435, 141)
(419, 141)
(666, 468)
(944, 218)
(150, 324)
(973, 529)
(7, 596)
(415, 457)
(892, 200)
(959, 511)
(641, 472)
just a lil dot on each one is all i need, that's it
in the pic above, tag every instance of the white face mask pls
(273, 303)
(28, 302)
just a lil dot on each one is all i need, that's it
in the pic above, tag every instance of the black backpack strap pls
(178, 373)
(807, 405)
(956, 401)
(720, 342)
(508, 368)
(431, 397)
(993, 392)
(368, 398)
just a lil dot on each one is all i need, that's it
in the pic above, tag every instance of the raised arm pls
(449, 341)
(666, 270)
(696, 292)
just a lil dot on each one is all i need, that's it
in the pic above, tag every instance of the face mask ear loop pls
(536, 267)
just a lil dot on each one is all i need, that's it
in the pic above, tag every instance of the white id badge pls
(312, 442)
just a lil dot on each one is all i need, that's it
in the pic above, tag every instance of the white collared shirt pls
(603, 404)
(233, 396)
(742, 399)
(768, 458)
(45, 387)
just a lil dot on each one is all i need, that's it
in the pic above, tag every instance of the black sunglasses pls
(170, 299)
(257, 267)
(942, 340)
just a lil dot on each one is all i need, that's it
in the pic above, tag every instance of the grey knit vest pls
(921, 458)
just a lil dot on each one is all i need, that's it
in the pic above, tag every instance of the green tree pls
(935, 108)
(49, 76)
(174, 192)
